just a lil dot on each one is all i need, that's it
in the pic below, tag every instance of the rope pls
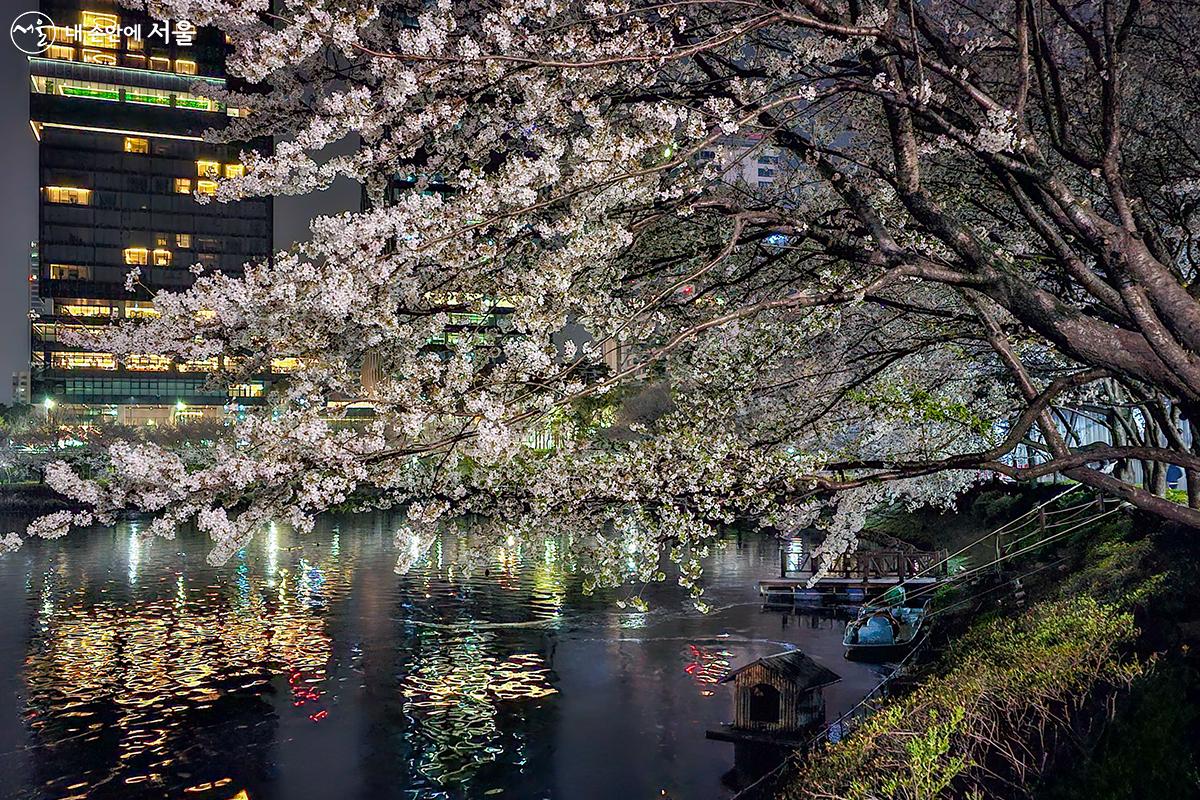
(1005, 557)
(996, 532)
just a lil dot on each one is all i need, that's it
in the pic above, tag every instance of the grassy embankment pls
(1086, 691)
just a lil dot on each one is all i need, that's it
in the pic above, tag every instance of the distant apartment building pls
(21, 388)
(119, 119)
(753, 162)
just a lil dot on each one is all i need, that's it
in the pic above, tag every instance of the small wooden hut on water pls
(777, 699)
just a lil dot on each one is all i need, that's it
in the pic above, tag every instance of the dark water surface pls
(306, 668)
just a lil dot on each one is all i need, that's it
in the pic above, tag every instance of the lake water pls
(306, 668)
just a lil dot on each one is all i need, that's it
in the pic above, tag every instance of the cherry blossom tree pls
(980, 213)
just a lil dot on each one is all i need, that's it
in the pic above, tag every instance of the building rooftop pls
(793, 666)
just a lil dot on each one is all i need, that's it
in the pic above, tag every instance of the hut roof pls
(794, 666)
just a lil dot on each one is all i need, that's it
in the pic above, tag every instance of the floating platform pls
(852, 579)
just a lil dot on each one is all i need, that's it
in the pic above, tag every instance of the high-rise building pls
(119, 118)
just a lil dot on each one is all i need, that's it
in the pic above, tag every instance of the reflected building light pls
(135, 554)
(272, 553)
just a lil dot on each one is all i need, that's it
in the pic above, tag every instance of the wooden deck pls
(852, 578)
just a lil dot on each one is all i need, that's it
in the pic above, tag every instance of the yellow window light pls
(246, 390)
(99, 57)
(138, 309)
(136, 144)
(101, 30)
(183, 240)
(286, 365)
(62, 52)
(185, 67)
(183, 185)
(234, 170)
(83, 360)
(69, 272)
(206, 187)
(162, 258)
(84, 308)
(199, 365)
(69, 194)
(146, 362)
(137, 256)
(208, 169)
(160, 63)
(60, 34)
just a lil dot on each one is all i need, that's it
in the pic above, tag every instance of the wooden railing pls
(866, 564)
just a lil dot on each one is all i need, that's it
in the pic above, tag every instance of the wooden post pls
(783, 554)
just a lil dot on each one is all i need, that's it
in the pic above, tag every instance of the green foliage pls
(1006, 681)
(995, 506)
(1177, 496)
(902, 399)
(1115, 567)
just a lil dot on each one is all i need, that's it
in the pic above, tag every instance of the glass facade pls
(120, 122)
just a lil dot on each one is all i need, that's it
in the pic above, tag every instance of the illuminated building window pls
(61, 51)
(135, 61)
(158, 62)
(84, 308)
(185, 67)
(139, 309)
(99, 57)
(160, 240)
(101, 30)
(162, 258)
(197, 102)
(69, 272)
(206, 187)
(60, 34)
(199, 365)
(286, 365)
(148, 97)
(246, 390)
(234, 170)
(136, 144)
(86, 90)
(134, 43)
(50, 332)
(138, 256)
(183, 185)
(208, 169)
(183, 240)
(83, 360)
(238, 112)
(68, 194)
(147, 363)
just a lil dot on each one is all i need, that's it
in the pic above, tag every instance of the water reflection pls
(306, 668)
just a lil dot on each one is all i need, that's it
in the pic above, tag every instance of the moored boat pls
(883, 633)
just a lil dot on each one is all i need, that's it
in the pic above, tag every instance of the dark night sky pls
(19, 193)
(18, 200)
